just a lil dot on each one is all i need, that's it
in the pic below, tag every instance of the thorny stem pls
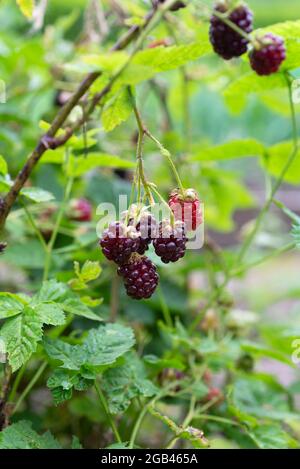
(4, 413)
(186, 422)
(108, 414)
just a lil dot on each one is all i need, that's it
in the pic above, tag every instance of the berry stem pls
(157, 193)
(139, 152)
(167, 154)
(108, 414)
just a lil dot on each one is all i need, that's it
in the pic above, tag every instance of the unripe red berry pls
(80, 210)
(186, 208)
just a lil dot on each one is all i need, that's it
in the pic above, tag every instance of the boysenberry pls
(170, 244)
(140, 277)
(186, 208)
(226, 42)
(119, 241)
(268, 54)
(80, 210)
(144, 223)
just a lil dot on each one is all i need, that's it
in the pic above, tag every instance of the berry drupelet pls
(171, 242)
(119, 241)
(268, 54)
(140, 277)
(226, 42)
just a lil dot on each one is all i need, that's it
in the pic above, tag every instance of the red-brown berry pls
(140, 277)
(227, 42)
(80, 210)
(268, 54)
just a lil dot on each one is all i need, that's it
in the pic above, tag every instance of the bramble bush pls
(123, 336)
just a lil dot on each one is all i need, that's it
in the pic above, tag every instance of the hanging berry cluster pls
(230, 26)
(125, 242)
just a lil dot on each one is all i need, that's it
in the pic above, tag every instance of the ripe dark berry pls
(118, 242)
(186, 208)
(140, 277)
(177, 5)
(268, 54)
(171, 242)
(147, 226)
(2, 247)
(226, 42)
(80, 210)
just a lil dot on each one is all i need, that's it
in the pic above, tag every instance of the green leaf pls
(102, 347)
(107, 343)
(21, 335)
(51, 290)
(230, 150)
(117, 110)
(10, 305)
(90, 271)
(296, 234)
(70, 356)
(278, 156)
(125, 382)
(252, 399)
(76, 306)
(237, 93)
(26, 7)
(62, 382)
(259, 351)
(80, 165)
(272, 437)
(50, 313)
(20, 435)
(36, 194)
(3, 166)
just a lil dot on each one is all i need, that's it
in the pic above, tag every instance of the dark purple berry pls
(118, 242)
(147, 226)
(171, 242)
(268, 54)
(176, 6)
(226, 42)
(2, 247)
(140, 277)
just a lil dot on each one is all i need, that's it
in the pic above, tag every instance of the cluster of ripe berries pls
(267, 52)
(125, 242)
